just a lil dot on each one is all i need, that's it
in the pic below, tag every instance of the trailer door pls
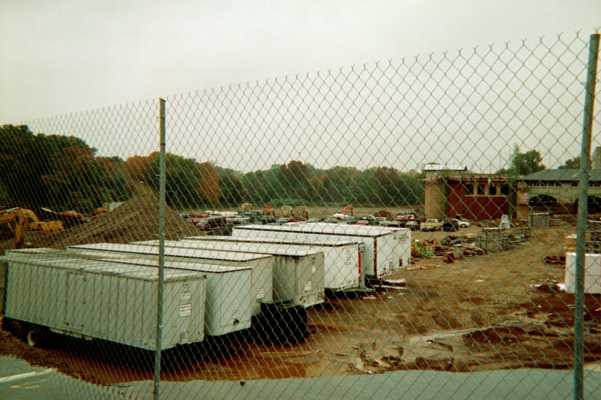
(76, 302)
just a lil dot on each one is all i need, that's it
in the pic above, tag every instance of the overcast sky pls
(62, 56)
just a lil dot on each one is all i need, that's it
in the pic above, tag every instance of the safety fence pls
(414, 227)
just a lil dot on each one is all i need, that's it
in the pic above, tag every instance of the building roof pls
(476, 176)
(433, 166)
(561, 175)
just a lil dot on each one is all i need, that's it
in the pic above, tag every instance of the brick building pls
(461, 193)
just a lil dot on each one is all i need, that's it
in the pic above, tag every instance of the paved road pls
(20, 381)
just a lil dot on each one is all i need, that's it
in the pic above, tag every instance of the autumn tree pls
(138, 167)
(182, 180)
(208, 187)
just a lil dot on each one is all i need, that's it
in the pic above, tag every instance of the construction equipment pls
(19, 220)
(69, 218)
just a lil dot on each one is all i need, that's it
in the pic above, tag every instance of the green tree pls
(523, 163)
(572, 163)
(385, 186)
(262, 186)
(78, 180)
(4, 196)
(232, 190)
(294, 180)
(42, 170)
(338, 184)
(183, 180)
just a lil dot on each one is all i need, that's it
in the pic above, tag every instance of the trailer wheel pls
(37, 337)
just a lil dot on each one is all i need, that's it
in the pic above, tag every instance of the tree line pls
(191, 184)
(56, 171)
(63, 172)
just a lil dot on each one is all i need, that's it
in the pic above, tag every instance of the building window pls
(468, 189)
(505, 189)
(492, 190)
(481, 189)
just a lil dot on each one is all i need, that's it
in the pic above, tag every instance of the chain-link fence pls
(398, 229)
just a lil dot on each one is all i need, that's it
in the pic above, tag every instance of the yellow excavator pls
(20, 220)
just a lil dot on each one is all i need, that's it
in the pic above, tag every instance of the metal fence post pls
(583, 215)
(162, 186)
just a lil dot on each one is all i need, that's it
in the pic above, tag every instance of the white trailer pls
(592, 273)
(343, 259)
(261, 264)
(386, 249)
(298, 274)
(103, 300)
(228, 288)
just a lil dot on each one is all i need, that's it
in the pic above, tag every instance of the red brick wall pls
(474, 207)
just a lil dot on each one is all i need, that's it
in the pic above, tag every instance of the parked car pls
(413, 225)
(463, 223)
(431, 224)
(450, 225)
(405, 218)
(460, 223)
(366, 220)
(394, 224)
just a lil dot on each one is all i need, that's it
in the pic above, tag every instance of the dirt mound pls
(136, 219)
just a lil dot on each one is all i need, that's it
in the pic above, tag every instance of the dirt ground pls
(478, 313)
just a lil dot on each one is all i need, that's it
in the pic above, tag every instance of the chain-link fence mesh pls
(398, 228)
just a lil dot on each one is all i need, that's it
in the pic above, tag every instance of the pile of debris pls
(136, 219)
(556, 260)
(592, 239)
(449, 248)
(501, 239)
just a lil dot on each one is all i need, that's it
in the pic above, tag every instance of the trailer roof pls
(152, 261)
(36, 250)
(107, 267)
(325, 229)
(325, 242)
(131, 259)
(243, 247)
(169, 251)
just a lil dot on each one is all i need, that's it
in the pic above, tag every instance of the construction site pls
(402, 228)
(465, 302)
